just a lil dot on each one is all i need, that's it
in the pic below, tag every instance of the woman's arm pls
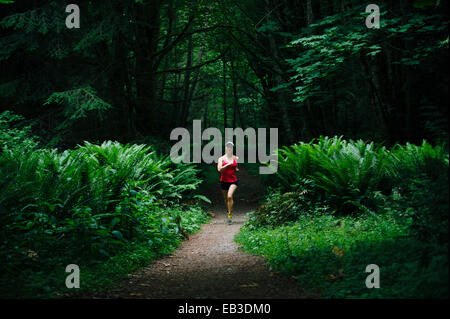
(221, 167)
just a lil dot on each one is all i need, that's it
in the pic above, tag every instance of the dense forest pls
(362, 115)
(135, 69)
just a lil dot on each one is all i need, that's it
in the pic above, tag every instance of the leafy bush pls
(281, 208)
(92, 175)
(408, 161)
(420, 178)
(95, 199)
(360, 177)
(350, 175)
(31, 279)
(329, 255)
(343, 173)
(15, 137)
(401, 200)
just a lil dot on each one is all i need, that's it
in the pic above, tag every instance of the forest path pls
(209, 264)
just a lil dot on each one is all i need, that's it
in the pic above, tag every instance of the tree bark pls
(145, 47)
(224, 94)
(186, 85)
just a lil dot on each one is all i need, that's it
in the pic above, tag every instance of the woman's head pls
(229, 147)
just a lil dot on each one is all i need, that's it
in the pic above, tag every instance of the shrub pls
(420, 177)
(88, 203)
(328, 255)
(15, 137)
(346, 174)
(401, 197)
(281, 208)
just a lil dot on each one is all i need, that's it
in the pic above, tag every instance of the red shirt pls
(229, 173)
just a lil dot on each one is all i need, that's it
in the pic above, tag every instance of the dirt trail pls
(209, 264)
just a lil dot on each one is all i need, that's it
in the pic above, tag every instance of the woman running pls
(227, 166)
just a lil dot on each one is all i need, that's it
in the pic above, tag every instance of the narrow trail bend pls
(209, 264)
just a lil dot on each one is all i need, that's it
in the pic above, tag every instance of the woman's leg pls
(230, 202)
(224, 194)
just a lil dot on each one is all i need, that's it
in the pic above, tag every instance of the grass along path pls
(210, 264)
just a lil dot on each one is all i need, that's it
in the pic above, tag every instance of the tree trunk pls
(195, 79)
(235, 94)
(224, 95)
(186, 85)
(280, 97)
(171, 15)
(146, 46)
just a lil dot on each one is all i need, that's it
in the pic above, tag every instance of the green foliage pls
(409, 160)
(328, 45)
(77, 103)
(420, 175)
(329, 255)
(342, 172)
(33, 281)
(400, 198)
(95, 199)
(281, 208)
(346, 174)
(351, 174)
(14, 137)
